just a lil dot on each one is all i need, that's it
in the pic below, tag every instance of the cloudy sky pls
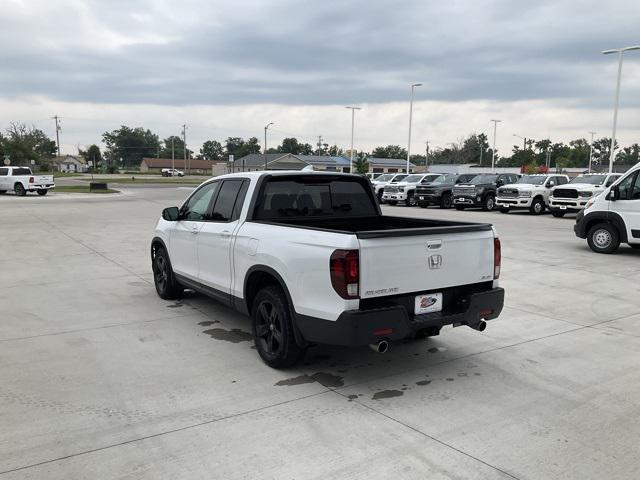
(228, 68)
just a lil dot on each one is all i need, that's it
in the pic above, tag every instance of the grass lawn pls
(64, 174)
(81, 189)
(134, 180)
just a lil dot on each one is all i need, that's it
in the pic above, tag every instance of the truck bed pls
(380, 226)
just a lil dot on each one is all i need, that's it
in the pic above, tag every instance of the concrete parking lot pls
(99, 378)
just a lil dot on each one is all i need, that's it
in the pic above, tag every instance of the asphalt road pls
(99, 378)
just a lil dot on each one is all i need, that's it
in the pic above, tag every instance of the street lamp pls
(413, 85)
(493, 153)
(266, 127)
(524, 139)
(619, 51)
(591, 150)
(353, 115)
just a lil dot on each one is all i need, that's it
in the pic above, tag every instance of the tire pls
(537, 206)
(489, 203)
(42, 192)
(603, 238)
(273, 329)
(558, 213)
(459, 207)
(2, 192)
(635, 245)
(19, 190)
(445, 201)
(504, 210)
(411, 200)
(423, 205)
(392, 202)
(379, 195)
(164, 279)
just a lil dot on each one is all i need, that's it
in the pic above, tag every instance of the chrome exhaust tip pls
(480, 326)
(381, 347)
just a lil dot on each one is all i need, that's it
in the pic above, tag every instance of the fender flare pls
(243, 306)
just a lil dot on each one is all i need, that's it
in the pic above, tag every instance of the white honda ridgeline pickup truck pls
(310, 257)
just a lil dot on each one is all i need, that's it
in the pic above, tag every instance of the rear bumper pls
(357, 327)
(33, 188)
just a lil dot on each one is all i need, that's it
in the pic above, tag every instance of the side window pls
(626, 187)
(4, 172)
(223, 209)
(634, 194)
(197, 207)
(561, 181)
(610, 180)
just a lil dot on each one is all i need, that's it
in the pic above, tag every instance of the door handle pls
(194, 231)
(225, 233)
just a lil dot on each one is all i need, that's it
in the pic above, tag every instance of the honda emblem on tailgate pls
(435, 262)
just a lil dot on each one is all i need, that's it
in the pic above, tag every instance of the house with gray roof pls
(289, 161)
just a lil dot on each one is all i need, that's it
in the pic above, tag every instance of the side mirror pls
(614, 194)
(171, 214)
(551, 184)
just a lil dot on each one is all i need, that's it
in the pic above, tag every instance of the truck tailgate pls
(392, 265)
(43, 179)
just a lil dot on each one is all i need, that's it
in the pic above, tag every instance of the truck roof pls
(288, 173)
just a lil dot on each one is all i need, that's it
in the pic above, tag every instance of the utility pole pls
(266, 127)
(426, 157)
(591, 150)
(173, 152)
(493, 153)
(319, 144)
(353, 112)
(56, 118)
(184, 148)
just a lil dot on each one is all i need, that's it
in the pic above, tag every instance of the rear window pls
(21, 171)
(314, 197)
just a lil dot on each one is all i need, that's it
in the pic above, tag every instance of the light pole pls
(353, 116)
(524, 140)
(591, 150)
(619, 51)
(413, 86)
(426, 156)
(266, 127)
(493, 153)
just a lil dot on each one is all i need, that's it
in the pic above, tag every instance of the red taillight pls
(497, 258)
(383, 332)
(344, 266)
(31, 180)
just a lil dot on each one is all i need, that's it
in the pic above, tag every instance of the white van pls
(613, 216)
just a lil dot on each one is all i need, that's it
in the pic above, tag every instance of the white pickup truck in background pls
(311, 258)
(21, 180)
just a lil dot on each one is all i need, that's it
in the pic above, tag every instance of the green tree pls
(212, 150)
(176, 149)
(390, 151)
(360, 163)
(238, 147)
(91, 154)
(127, 146)
(23, 144)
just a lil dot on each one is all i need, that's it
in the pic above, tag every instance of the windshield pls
(399, 178)
(413, 178)
(441, 179)
(533, 179)
(590, 179)
(465, 178)
(484, 179)
(384, 178)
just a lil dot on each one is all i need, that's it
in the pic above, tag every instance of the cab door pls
(183, 247)
(4, 172)
(628, 205)
(216, 238)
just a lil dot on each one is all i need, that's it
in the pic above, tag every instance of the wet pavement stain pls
(422, 383)
(208, 323)
(234, 335)
(288, 382)
(352, 397)
(387, 394)
(328, 379)
(450, 379)
(175, 305)
(436, 349)
(477, 374)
